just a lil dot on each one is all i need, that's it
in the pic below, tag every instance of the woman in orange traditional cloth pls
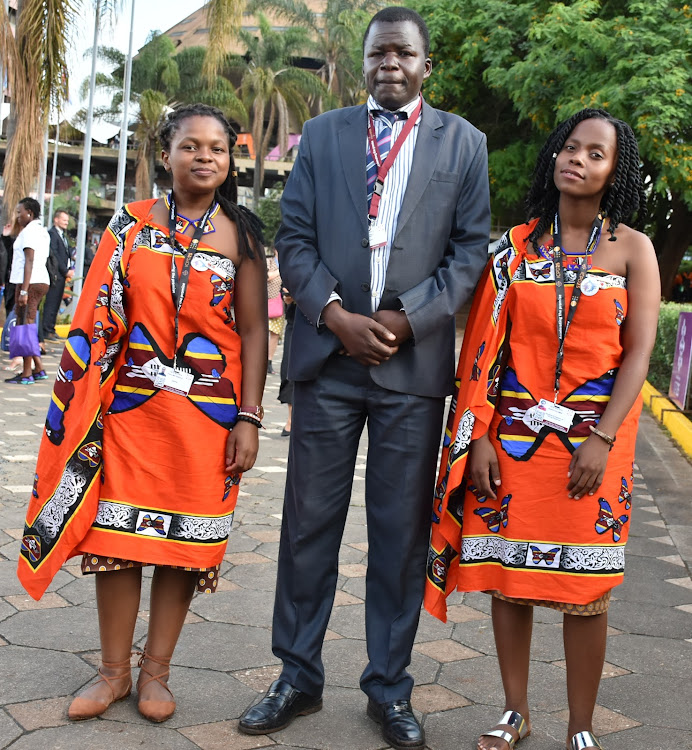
(540, 441)
(150, 425)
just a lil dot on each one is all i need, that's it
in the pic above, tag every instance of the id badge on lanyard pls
(550, 413)
(173, 379)
(377, 232)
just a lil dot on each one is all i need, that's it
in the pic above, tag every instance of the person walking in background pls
(534, 497)
(377, 283)
(276, 307)
(173, 313)
(59, 271)
(30, 277)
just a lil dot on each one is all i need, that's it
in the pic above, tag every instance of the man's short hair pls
(397, 14)
(60, 211)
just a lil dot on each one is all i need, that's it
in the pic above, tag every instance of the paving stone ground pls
(49, 649)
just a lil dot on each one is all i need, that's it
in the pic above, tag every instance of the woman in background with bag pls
(275, 307)
(32, 280)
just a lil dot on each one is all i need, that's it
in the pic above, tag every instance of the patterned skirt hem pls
(207, 578)
(596, 607)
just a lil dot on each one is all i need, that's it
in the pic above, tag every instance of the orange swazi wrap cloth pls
(127, 469)
(532, 542)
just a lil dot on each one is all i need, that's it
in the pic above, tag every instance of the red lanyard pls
(384, 167)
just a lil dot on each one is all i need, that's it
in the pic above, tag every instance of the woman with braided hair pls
(151, 424)
(539, 449)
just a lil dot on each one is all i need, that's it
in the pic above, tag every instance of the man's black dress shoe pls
(399, 726)
(277, 709)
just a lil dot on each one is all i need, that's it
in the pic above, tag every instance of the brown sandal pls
(87, 708)
(156, 711)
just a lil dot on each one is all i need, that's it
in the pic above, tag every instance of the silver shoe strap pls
(506, 736)
(583, 741)
(516, 721)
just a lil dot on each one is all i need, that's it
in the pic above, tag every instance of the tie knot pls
(390, 117)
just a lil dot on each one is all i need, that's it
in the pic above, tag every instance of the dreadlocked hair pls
(248, 224)
(621, 200)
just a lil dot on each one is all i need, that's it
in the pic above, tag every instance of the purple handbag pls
(24, 341)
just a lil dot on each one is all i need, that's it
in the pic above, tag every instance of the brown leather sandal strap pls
(164, 662)
(123, 665)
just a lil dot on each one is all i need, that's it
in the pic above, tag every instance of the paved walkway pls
(49, 649)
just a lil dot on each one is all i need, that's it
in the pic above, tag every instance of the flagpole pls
(55, 170)
(86, 164)
(122, 156)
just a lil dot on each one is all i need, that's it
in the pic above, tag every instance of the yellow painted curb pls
(669, 416)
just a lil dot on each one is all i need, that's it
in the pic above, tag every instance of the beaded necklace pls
(547, 250)
(183, 222)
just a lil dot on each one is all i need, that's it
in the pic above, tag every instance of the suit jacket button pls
(365, 287)
(365, 242)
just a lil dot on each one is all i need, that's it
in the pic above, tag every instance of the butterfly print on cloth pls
(494, 518)
(625, 495)
(606, 520)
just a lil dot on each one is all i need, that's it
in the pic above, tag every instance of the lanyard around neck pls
(563, 324)
(383, 167)
(179, 282)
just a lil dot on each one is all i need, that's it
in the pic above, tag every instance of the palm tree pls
(153, 107)
(160, 77)
(36, 65)
(334, 38)
(269, 83)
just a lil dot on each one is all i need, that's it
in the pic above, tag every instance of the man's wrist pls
(331, 314)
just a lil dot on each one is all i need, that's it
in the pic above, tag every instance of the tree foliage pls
(516, 68)
(36, 65)
(272, 89)
(334, 38)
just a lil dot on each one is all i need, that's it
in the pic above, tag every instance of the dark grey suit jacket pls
(438, 252)
(59, 252)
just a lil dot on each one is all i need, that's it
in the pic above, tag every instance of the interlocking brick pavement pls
(49, 649)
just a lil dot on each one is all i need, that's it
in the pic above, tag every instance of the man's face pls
(61, 221)
(394, 63)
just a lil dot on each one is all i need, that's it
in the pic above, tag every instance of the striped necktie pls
(384, 144)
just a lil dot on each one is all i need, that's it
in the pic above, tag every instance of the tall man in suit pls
(59, 270)
(377, 283)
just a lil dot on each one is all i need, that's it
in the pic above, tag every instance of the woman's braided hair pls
(248, 224)
(621, 200)
(30, 204)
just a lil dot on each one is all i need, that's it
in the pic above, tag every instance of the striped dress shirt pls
(392, 197)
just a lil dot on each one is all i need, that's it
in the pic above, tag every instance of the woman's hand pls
(21, 299)
(587, 467)
(241, 447)
(483, 467)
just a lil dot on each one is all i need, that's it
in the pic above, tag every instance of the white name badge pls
(378, 236)
(175, 381)
(553, 415)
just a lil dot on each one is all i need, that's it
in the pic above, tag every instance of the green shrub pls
(661, 363)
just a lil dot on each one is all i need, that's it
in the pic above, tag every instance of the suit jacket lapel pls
(428, 144)
(352, 140)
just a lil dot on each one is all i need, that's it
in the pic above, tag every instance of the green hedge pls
(661, 363)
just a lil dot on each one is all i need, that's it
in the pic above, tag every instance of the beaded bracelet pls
(244, 416)
(603, 436)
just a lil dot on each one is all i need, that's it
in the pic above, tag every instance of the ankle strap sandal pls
(155, 710)
(514, 720)
(83, 707)
(584, 740)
